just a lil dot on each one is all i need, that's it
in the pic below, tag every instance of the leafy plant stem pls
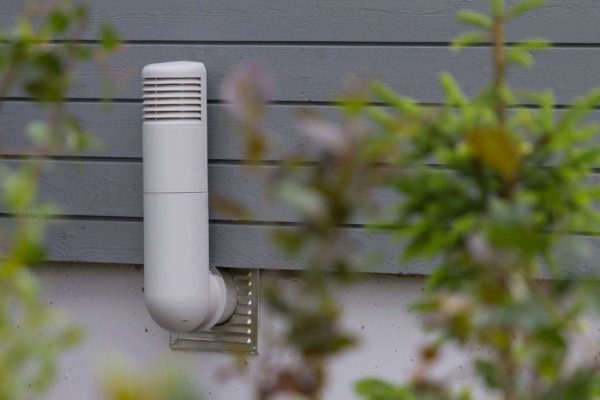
(500, 67)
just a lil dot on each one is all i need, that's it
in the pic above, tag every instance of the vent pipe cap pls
(174, 69)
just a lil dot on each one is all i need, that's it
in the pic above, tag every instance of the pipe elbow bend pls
(177, 312)
(185, 311)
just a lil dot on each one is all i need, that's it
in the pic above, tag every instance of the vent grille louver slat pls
(172, 99)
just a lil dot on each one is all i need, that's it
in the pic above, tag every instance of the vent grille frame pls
(168, 99)
(240, 333)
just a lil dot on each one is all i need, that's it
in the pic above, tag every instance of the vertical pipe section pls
(182, 293)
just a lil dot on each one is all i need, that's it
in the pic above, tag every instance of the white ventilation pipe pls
(182, 293)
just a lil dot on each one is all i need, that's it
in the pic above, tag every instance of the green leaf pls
(45, 90)
(469, 39)
(303, 198)
(525, 6)
(80, 13)
(58, 21)
(580, 108)
(377, 389)
(382, 117)
(24, 29)
(520, 57)
(403, 104)
(49, 62)
(497, 150)
(490, 372)
(497, 8)
(534, 44)
(38, 132)
(546, 114)
(454, 94)
(475, 19)
(76, 137)
(109, 39)
(19, 189)
(82, 53)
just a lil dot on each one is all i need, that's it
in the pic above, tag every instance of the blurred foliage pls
(37, 60)
(120, 383)
(487, 190)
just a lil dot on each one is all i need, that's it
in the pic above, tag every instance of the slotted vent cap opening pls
(173, 91)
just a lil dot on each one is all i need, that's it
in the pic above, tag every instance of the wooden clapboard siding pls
(310, 47)
(373, 21)
(233, 246)
(250, 246)
(317, 73)
(118, 132)
(114, 189)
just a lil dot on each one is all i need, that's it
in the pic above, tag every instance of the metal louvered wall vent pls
(237, 335)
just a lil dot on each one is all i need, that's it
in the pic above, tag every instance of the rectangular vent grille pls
(172, 99)
(240, 333)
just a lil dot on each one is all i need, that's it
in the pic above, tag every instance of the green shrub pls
(487, 190)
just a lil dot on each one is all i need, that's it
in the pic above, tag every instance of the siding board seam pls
(336, 43)
(282, 103)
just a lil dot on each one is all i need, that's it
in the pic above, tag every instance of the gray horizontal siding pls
(250, 246)
(117, 130)
(232, 246)
(310, 47)
(382, 21)
(318, 73)
(114, 189)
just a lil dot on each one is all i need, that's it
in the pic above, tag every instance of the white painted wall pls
(107, 301)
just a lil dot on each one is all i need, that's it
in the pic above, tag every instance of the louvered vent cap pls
(173, 90)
